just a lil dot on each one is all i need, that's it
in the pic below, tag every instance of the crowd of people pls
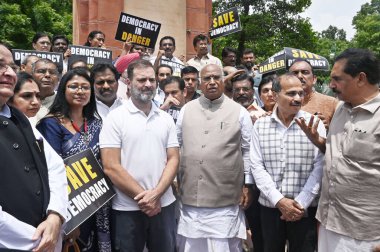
(200, 152)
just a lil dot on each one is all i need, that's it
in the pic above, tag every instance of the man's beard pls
(142, 97)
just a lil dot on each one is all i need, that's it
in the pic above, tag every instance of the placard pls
(90, 55)
(88, 188)
(225, 23)
(138, 30)
(57, 58)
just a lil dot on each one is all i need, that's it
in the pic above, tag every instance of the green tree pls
(367, 25)
(267, 26)
(332, 32)
(21, 19)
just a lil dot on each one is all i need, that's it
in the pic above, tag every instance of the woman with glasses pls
(73, 125)
(41, 42)
(26, 96)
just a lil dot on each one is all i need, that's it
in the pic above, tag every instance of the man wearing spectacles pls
(287, 168)
(45, 73)
(243, 93)
(33, 185)
(214, 133)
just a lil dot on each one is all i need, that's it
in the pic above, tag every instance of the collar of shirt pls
(203, 99)
(371, 105)
(5, 111)
(207, 56)
(275, 118)
(133, 109)
(118, 101)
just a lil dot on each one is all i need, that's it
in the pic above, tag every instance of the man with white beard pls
(140, 155)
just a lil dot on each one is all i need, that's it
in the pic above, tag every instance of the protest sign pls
(225, 23)
(88, 188)
(19, 55)
(176, 66)
(284, 59)
(90, 55)
(138, 30)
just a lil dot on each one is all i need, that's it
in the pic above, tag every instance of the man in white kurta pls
(214, 134)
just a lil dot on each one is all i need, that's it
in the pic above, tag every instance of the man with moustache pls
(45, 73)
(163, 71)
(248, 59)
(287, 169)
(313, 102)
(106, 84)
(229, 56)
(243, 92)
(203, 57)
(348, 208)
(33, 185)
(165, 55)
(214, 133)
(60, 44)
(139, 149)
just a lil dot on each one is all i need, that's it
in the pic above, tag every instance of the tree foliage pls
(21, 19)
(268, 26)
(332, 32)
(367, 25)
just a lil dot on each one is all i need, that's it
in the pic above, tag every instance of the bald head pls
(212, 81)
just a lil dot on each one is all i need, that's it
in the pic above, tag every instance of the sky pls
(339, 13)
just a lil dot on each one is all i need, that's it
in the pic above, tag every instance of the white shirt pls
(143, 141)
(265, 182)
(103, 109)
(17, 234)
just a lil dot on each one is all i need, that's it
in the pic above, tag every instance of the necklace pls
(85, 129)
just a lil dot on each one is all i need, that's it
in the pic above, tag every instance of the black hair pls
(361, 60)
(22, 78)
(303, 60)
(39, 35)
(164, 65)
(60, 37)
(101, 67)
(61, 108)
(173, 79)
(92, 35)
(243, 76)
(226, 50)
(167, 37)
(199, 37)
(189, 69)
(265, 80)
(76, 61)
(248, 51)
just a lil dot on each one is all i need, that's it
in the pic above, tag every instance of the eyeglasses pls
(5, 67)
(214, 77)
(75, 88)
(295, 93)
(244, 89)
(45, 70)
